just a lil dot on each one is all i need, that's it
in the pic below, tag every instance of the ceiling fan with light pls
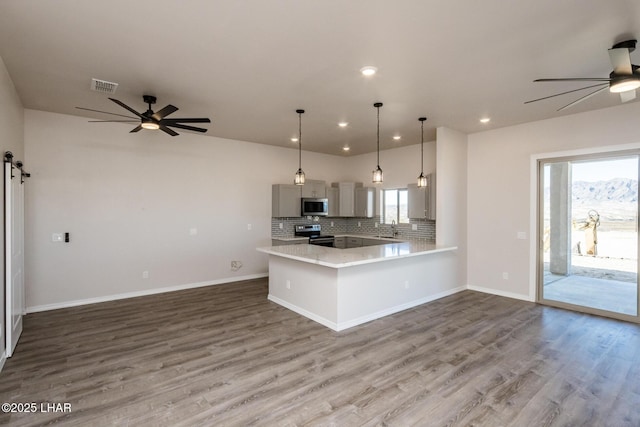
(624, 79)
(153, 120)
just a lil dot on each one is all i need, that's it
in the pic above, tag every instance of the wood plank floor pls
(224, 355)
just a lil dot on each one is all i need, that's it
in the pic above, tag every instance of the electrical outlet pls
(505, 275)
(288, 284)
(193, 231)
(145, 274)
(359, 224)
(414, 227)
(280, 226)
(57, 237)
(375, 225)
(406, 284)
(332, 223)
(248, 226)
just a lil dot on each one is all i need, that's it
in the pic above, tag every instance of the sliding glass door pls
(588, 234)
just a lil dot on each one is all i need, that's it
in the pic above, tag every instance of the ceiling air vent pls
(103, 86)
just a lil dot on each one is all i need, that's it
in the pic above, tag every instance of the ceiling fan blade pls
(190, 120)
(104, 112)
(114, 121)
(136, 129)
(627, 96)
(169, 131)
(589, 95)
(179, 126)
(123, 105)
(621, 61)
(575, 79)
(564, 93)
(160, 114)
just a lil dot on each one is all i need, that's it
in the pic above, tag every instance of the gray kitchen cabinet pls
(314, 188)
(333, 196)
(347, 197)
(365, 202)
(354, 242)
(285, 201)
(422, 201)
(340, 242)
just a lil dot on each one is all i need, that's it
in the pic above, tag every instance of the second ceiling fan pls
(624, 79)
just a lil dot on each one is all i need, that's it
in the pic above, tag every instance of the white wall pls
(130, 200)
(11, 139)
(499, 184)
(451, 193)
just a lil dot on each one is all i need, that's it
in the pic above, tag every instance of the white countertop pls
(338, 258)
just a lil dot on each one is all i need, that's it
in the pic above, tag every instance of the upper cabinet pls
(365, 202)
(422, 201)
(347, 197)
(314, 188)
(285, 201)
(333, 196)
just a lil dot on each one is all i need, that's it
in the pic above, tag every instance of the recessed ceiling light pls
(368, 70)
(294, 139)
(343, 124)
(396, 137)
(485, 120)
(345, 148)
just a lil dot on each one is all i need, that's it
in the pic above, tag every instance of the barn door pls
(14, 250)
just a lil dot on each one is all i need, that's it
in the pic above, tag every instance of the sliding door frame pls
(539, 230)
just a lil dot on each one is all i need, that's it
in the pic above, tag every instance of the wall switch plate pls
(359, 224)
(522, 235)
(414, 227)
(376, 225)
(57, 237)
(280, 226)
(193, 231)
(248, 226)
(145, 274)
(332, 223)
(505, 275)
(288, 284)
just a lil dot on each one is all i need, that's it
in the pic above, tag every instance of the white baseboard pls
(363, 319)
(501, 293)
(107, 298)
(301, 311)
(392, 310)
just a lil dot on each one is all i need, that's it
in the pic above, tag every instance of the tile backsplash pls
(426, 228)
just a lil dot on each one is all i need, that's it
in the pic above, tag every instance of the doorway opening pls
(588, 254)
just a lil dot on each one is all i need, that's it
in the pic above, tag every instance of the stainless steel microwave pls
(315, 206)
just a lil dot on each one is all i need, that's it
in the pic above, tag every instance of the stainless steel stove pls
(314, 233)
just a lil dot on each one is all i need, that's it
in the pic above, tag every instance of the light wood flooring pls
(225, 355)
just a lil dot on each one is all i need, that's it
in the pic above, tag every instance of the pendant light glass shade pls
(422, 180)
(377, 173)
(299, 178)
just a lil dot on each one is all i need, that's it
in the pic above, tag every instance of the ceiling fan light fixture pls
(151, 125)
(621, 84)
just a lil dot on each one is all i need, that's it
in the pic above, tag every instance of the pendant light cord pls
(378, 135)
(299, 140)
(422, 146)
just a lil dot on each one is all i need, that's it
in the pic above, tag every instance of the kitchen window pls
(395, 206)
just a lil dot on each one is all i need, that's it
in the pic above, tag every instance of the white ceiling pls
(249, 64)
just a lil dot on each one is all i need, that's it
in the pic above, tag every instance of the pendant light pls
(299, 179)
(422, 180)
(377, 173)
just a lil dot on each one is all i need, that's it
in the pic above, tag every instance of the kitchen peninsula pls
(342, 288)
